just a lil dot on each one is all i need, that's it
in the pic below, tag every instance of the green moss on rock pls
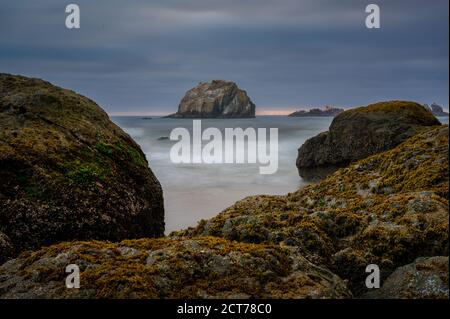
(68, 172)
(389, 209)
(205, 267)
(358, 133)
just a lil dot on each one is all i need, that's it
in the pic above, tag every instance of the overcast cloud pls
(141, 56)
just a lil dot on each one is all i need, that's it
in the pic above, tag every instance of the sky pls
(140, 57)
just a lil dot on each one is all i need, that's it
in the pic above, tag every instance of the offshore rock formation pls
(218, 99)
(68, 172)
(168, 268)
(358, 133)
(436, 109)
(388, 209)
(327, 111)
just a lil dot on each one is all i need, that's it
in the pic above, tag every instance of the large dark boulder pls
(6, 248)
(360, 132)
(218, 99)
(67, 172)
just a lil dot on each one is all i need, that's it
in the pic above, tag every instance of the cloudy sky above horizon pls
(139, 57)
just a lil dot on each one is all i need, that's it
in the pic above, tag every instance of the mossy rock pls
(205, 267)
(68, 172)
(425, 278)
(387, 209)
(6, 247)
(358, 133)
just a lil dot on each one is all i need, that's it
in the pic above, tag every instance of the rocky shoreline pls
(388, 208)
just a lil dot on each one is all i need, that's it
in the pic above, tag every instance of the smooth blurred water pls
(443, 119)
(196, 191)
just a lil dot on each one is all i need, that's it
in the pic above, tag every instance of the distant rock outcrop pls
(436, 109)
(67, 172)
(360, 132)
(327, 111)
(218, 99)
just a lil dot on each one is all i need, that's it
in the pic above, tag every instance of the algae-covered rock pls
(217, 99)
(6, 247)
(67, 172)
(360, 132)
(425, 278)
(204, 267)
(388, 209)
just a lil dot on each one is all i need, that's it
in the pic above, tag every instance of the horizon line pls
(139, 113)
(273, 112)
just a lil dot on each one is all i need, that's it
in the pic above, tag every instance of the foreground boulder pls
(425, 278)
(67, 172)
(388, 209)
(168, 268)
(361, 132)
(6, 247)
(218, 99)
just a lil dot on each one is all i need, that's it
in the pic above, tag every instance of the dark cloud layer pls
(141, 56)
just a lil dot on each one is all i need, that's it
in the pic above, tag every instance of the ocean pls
(200, 191)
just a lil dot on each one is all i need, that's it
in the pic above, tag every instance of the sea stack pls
(436, 109)
(216, 99)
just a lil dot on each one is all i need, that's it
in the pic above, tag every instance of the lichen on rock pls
(360, 132)
(388, 209)
(205, 267)
(425, 278)
(68, 172)
(6, 247)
